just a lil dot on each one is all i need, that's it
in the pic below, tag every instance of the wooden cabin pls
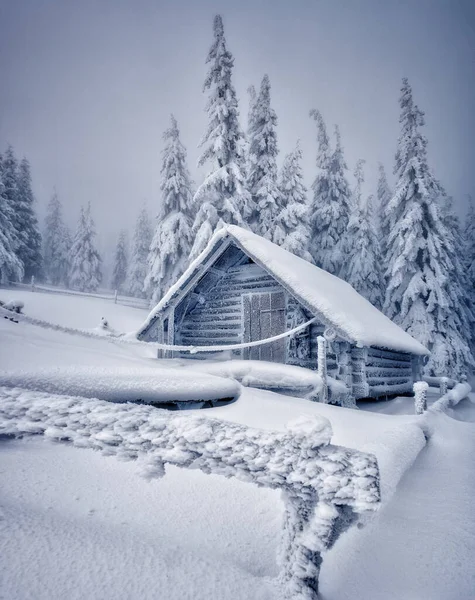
(244, 288)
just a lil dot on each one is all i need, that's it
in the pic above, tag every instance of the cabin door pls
(264, 317)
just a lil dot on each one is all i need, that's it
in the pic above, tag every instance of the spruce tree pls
(10, 192)
(423, 295)
(119, 273)
(384, 196)
(138, 260)
(85, 263)
(29, 251)
(291, 230)
(170, 247)
(56, 244)
(363, 269)
(222, 197)
(330, 205)
(469, 251)
(262, 167)
(11, 268)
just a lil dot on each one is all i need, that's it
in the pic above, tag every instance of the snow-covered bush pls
(14, 305)
(325, 487)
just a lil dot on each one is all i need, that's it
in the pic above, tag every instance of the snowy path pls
(421, 546)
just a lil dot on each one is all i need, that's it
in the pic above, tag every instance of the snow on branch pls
(325, 487)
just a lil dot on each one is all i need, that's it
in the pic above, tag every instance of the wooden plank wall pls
(386, 373)
(217, 318)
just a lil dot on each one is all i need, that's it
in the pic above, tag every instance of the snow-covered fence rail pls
(451, 398)
(325, 487)
(116, 298)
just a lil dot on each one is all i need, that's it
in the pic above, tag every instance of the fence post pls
(443, 386)
(115, 297)
(32, 283)
(420, 396)
(322, 367)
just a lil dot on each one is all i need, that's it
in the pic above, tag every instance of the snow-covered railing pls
(118, 299)
(451, 398)
(448, 399)
(325, 488)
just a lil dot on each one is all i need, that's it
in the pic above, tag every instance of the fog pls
(87, 87)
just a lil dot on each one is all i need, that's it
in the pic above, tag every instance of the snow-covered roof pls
(328, 297)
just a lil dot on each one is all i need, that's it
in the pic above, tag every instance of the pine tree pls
(291, 229)
(262, 169)
(29, 251)
(384, 196)
(10, 182)
(119, 274)
(422, 295)
(140, 249)
(171, 242)
(85, 263)
(56, 244)
(11, 268)
(363, 270)
(222, 197)
(469, 250)
(330, 206)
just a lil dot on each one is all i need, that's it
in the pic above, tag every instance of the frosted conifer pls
(56, 244)
(262, 165)
(222, 197)
(171, 242)
(421, 295)
(363, 270)
(291, 230)
(384, 196)
(11, 268)
(140, 249)
(85, 263)
(330, 205)
(29, 250)
(119, 273)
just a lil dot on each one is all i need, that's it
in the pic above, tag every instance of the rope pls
(195, 349)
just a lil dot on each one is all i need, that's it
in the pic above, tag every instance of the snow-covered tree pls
(384, 196)
(222, 197)
(469, 248)
(29, 251)
(119, 273)
(85, 263)
(11, 268)
(330, 205)
(363, 268)
(171, 242)
(262, 164)
(56, 244)
(10, 192)
(422, 295)
(138, 260)
(291, 226)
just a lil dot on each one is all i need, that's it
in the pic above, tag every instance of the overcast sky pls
(87, 87)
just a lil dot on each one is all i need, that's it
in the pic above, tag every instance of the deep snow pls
(76, 524)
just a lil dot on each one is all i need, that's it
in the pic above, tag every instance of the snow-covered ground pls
(75, 524)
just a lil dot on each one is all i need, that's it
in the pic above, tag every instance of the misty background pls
(87, 88)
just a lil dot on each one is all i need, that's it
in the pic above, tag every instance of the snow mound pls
(268, 375)
(149, 385)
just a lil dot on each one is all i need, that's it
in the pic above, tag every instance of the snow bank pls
(144, 384)
(325, 486)
(268, 375)
(327, 296)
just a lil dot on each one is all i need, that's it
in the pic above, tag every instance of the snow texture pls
(331, 299)
(326, 486)
(148, 385)
(420, 396)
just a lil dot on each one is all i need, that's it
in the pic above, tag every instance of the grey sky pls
(87, 86)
